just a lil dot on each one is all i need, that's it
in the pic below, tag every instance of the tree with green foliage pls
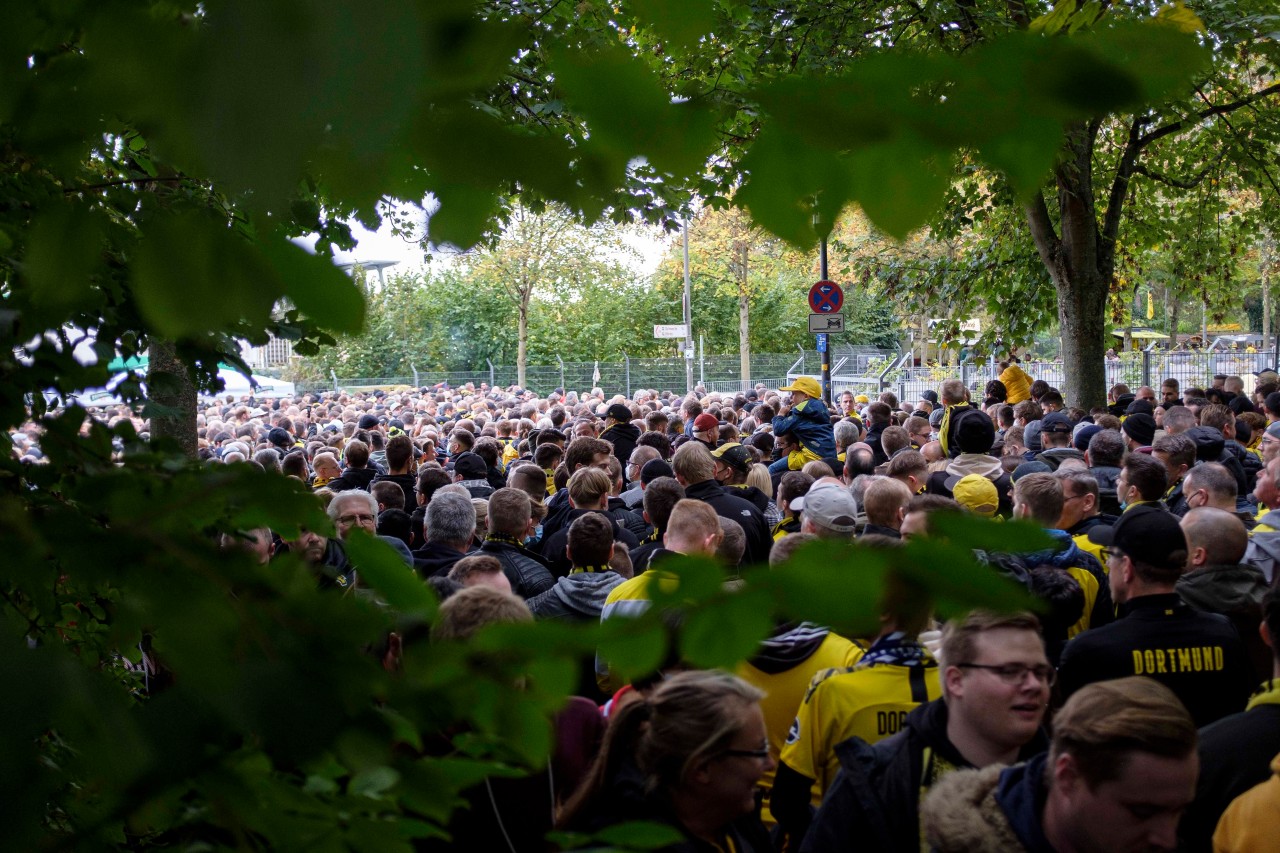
(157, 158)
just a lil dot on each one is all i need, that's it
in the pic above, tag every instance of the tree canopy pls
(157, 157)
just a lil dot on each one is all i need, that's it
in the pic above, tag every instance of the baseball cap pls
(976, 494)
(805, 385)
(1148, 534)
(1273, 430)
(1029, 468)
(1266, 375)
(470, 466)
(279, 436)
(367, 422)
(619, 412)
(862, 398)
(1086, 432)
(1056, 422)
(705, 421)
(735, 456)
(829, 506)
(930, 395)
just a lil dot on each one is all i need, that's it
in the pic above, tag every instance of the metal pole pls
(490, 363)
(688, 316)
(825, 355)
(627, 360)
(334, 374)
(416, 383)
(561, 361)
(702, 361)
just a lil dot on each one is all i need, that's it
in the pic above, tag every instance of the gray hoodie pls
(578, 597)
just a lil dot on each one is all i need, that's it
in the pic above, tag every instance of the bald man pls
(1217, 582)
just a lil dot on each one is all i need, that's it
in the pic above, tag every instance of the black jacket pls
(1235, 592)
(353, 478)
(875, 801)
(1198, 656)
(1212, 446)
(526, 570)
(408, 482)
(1235, 755)
(740, 510)
(554, 546)
(435, 559)
(623, 437)
(630, 519)
(642, 556)
(557, 511)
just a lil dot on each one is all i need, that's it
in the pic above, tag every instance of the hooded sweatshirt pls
(1236, 592)
(577, 597)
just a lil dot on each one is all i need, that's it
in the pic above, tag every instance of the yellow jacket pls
(1017, 383)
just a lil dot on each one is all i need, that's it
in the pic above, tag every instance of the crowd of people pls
(1137, 710)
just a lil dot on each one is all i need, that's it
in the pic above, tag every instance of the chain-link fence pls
(863, 370)
(1192, 369)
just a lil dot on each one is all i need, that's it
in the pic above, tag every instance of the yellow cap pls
(977, 494)
(805, 385)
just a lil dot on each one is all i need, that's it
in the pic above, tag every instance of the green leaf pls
(65, 250)
(632, 647)
(728, 631)
(373, 782)
(320, 290)
(640, 835)
(901, 183)
(189, 260)
(833, 584)
(383, 570)
(680, 22)
(630, 114)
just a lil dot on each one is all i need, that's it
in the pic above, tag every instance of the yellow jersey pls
(869, 702)
(786, 689)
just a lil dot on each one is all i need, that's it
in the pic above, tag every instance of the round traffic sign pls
(825, 297)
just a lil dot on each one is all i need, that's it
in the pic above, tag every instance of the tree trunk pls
(744, 317)
(1080, 264)
(522, 345)
(171, 399)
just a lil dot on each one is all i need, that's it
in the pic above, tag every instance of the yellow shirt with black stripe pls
(869, 702)
(784, 691)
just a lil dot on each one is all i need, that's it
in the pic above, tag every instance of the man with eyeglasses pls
(634, 496)
(995, 690)
(1199, 656)
(356, 509)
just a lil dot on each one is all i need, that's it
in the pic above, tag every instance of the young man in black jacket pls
(996, 682)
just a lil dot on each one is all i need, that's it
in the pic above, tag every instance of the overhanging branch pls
(1208, 112)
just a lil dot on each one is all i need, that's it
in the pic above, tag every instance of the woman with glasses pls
(689, 756)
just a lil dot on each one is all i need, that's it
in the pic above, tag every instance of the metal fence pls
(858, 369)
(722, 373)
(1192, 369)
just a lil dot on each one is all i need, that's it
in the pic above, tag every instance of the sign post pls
(825, 298)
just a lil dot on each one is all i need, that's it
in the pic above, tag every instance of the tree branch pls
(168, 179)
(1048, 244)
(1182, 184)
(1215, 110)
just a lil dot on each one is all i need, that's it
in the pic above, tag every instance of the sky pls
(383, 245)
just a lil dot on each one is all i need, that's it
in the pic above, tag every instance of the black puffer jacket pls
(526, 571)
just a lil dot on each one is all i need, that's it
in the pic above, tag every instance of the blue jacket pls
(810, 423)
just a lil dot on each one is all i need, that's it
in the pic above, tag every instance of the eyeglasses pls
(757, 754)
(1016, 673)
(355, 519)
